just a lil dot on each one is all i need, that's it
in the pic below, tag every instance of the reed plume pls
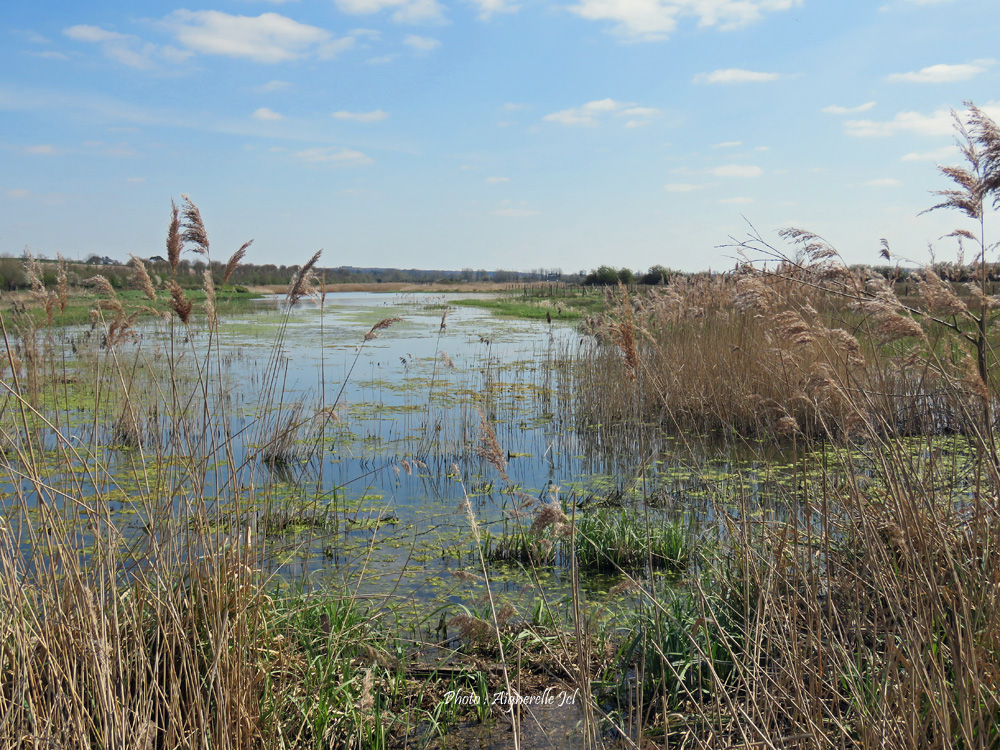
(140, 277)
(234, 261)
(62, 287)
(209, 287)
(179, 302)
(174, 241)
(194, 228)
(489, 447)
(382, 325)
(302, 282)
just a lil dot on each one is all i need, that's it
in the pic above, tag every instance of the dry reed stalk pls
(179, 302)
(194, 228)
(174, 241)
(63, 283)
(140, 277)
(489, 448)
(234, 261)
(375, 330)
(209, 287)
(302, 282)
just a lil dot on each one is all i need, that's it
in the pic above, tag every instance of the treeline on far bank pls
(190, 273)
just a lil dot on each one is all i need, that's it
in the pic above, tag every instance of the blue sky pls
(510, 134)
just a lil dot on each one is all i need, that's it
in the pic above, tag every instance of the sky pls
(513, 134)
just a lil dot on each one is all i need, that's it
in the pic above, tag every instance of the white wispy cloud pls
(49, 54)
(938, 154)
(265, 113)
(639, 116)
(127, 49)
(17, 193)
(497, 180)
(727, 144)
(735, 75)
(515, 212)
(739, 201)
(514, 106)
(381, 59)
(267, 38)
(404, 11)
(882, 182)
(737, 170)
(682, 187)
(585, 115)
(487, 8)
(591, 112)
(938, 74)
(657, 19)
(42, 149)
(271, 86)
(421, 43)
(374, 116)
(338, 157)
(835, 109)
(936, 123)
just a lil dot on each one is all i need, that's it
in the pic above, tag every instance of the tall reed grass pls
(857, 608)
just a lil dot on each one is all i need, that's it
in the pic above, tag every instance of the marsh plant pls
(856, 608)
(137, 603)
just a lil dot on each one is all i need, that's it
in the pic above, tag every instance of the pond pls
(343, 439)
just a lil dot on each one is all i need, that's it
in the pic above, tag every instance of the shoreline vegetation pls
(855, 603)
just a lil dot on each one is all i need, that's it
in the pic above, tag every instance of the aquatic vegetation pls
(613, 541)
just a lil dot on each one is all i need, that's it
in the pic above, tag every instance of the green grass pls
(608, 541)
(80, 304)
(538, 308)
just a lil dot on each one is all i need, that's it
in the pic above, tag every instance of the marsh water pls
(343, 443)
(349, 452)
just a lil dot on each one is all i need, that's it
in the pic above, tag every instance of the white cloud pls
(657, 19)
(737, 170)
(375, 116)
(382, 60)
(267, 38)
(17, 193)
(761, 148)
(264, 113)
(736, 201)
(938, 74)
(587, 114)
(835, 109)
(938, 123)
(640, 112)
(939, 154)
(127, 49)
(515, 212)
(333, 156)
(136, 179)
(421, 43)
(735, 75)
(271, 86)
(497, 180)
(639, 116)
(42, 149)
(682, 187)
(882, 182)
(488, 7)
(49, 54)
(727, 144)
(406, 11)
(514, 106)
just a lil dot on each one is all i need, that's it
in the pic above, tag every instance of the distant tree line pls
(610, 276)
